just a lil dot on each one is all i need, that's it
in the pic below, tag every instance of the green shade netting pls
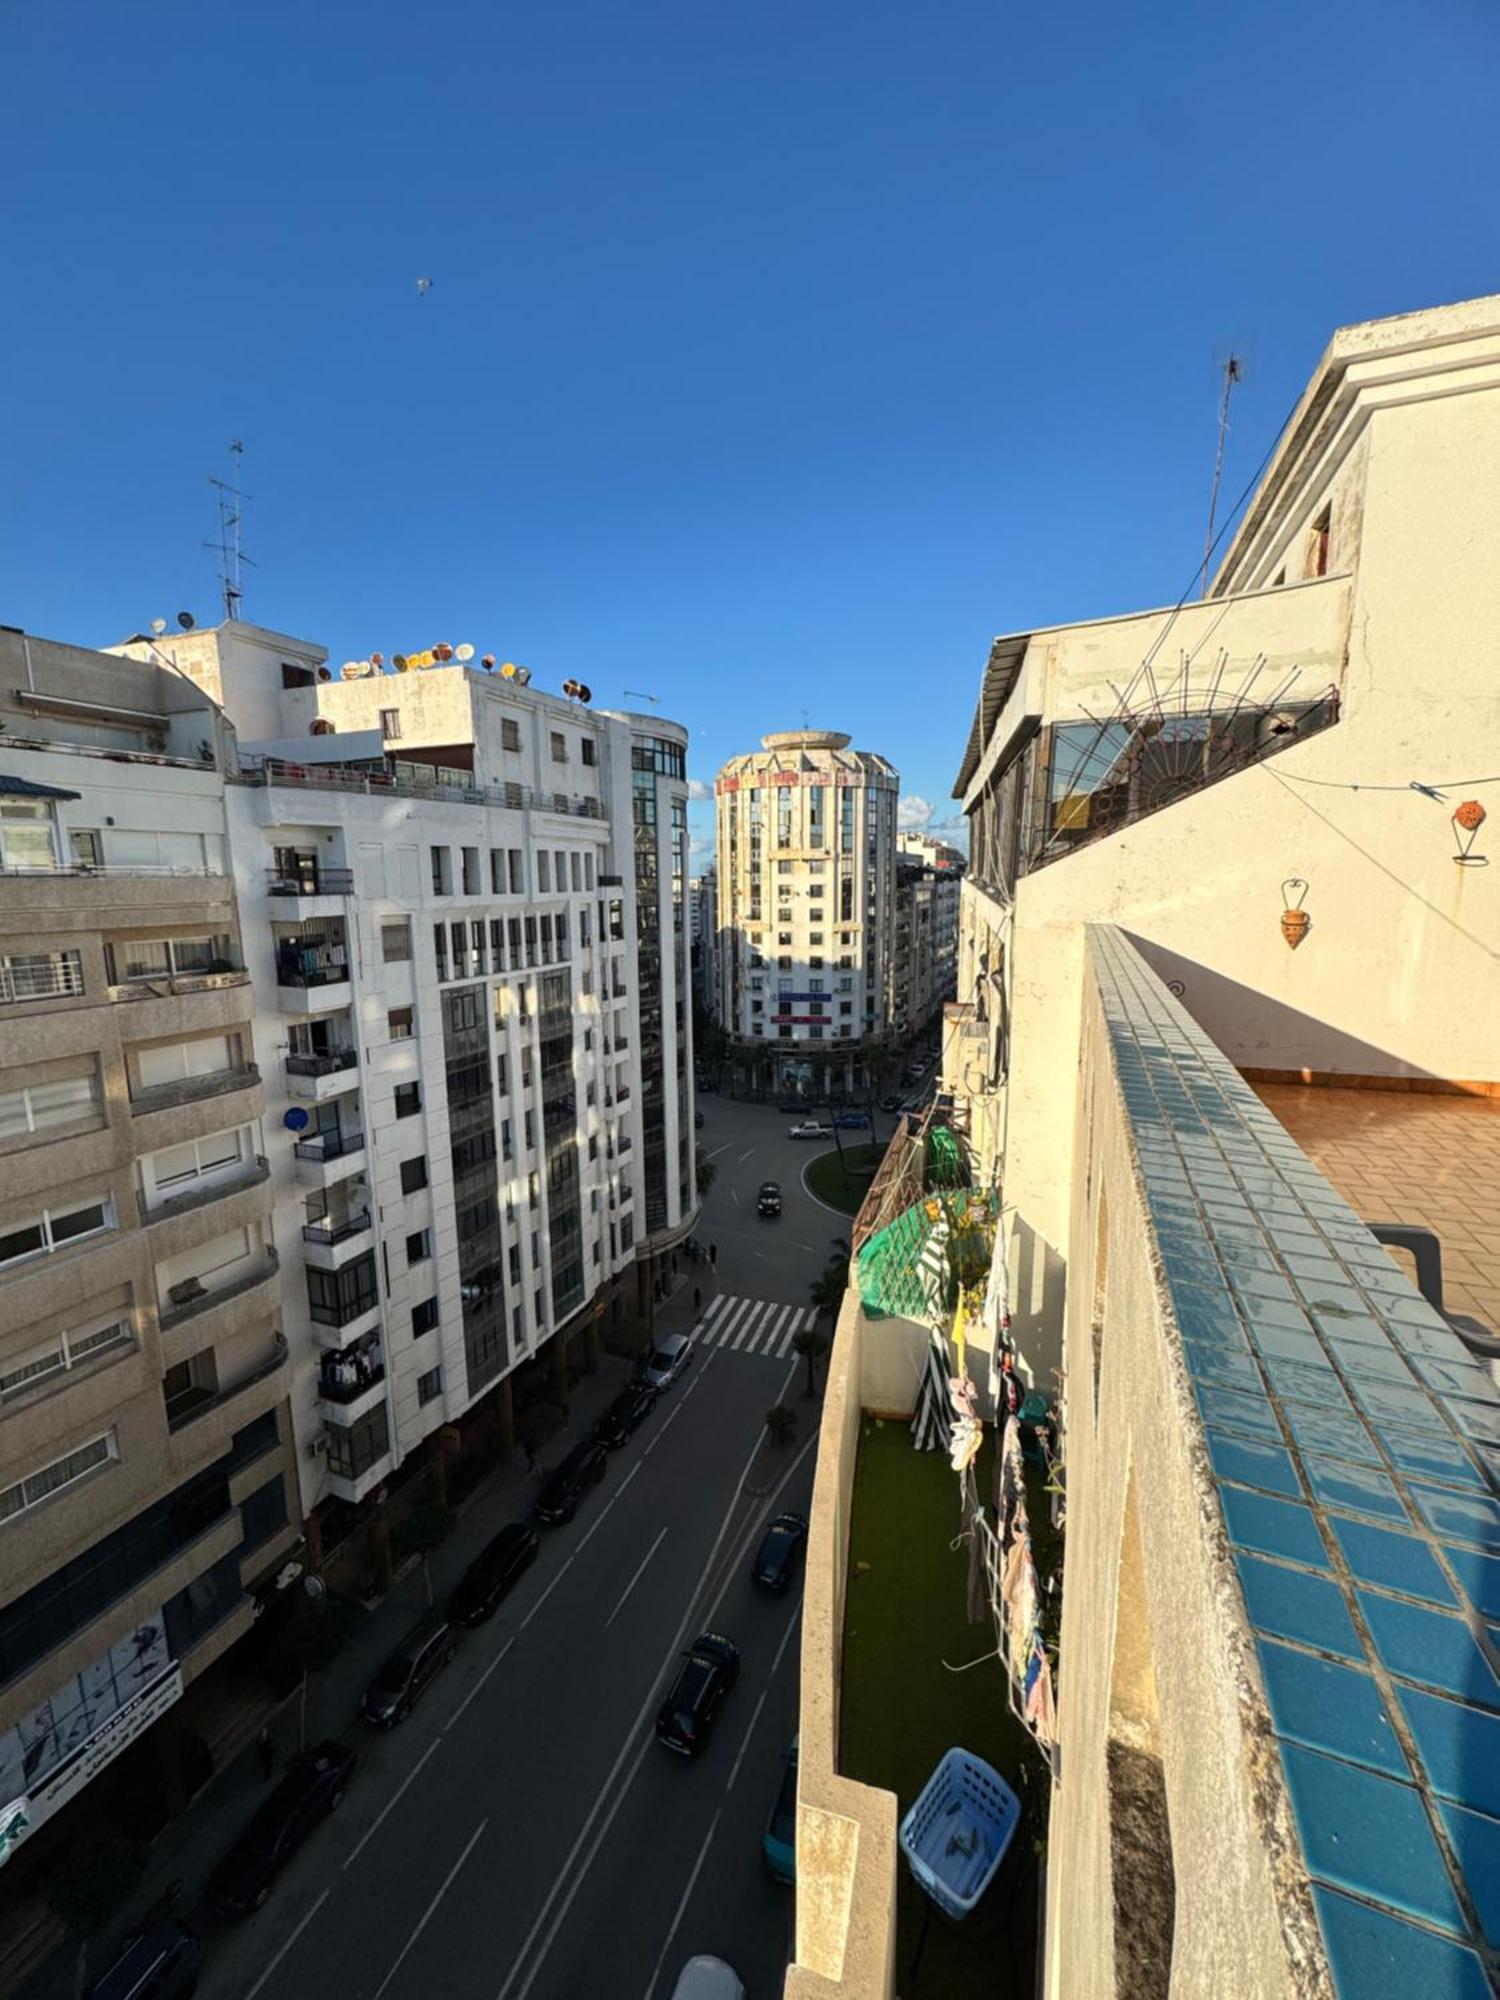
(905, 1270)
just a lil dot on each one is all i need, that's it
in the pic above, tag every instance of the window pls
(430, 1386)
(543, 872)
(424, 1318)
(297, 677)
(53, 1228)
(588, 873)
(846, 1006)
(352, 1451)
(28, 838)
(262, 1514)
(757, 1006)
(414, 1174)
(784, 916)
(399, 1021)
(395, 942)
(627, 1232)
(390, 724)
(589, 753)
(1318, 536)
(203, 1159)
(471, 871)
(816, 963)
(408, 1099)
(784, 964)
(815, 937)
(517, 871)
(418, 1246)
(559, 747)
(44, 1107)
(40, 975)
(42, 1484)
(783, 868)
(442, 871)
(63, 1350)
(510, 735)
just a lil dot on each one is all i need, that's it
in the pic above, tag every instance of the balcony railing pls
(328, 1064)
(329, 1145)
(312, 975)
(116, 869)
(194, 1403)
(341, 1312)
(329, 1229)
(611, 881)
(189, 1305)
(385, 784)
(317, 881)
(347, 1384)
(249, 1174)
(188, 1089)
(171, 985)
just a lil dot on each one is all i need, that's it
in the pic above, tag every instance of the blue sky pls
(775, 357)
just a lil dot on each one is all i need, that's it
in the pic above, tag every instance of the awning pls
(25, 788)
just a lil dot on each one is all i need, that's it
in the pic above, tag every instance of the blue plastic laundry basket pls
(957, 1833)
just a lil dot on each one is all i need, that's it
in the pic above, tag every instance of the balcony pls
(193, 1404)
(173, 985)
(325, 1157)
(310, 881)
(350, 1379)
(189, 1089)
(250, 1173)
(189, 1304)
(274, 771)
(331, 1241)
(329, 1231)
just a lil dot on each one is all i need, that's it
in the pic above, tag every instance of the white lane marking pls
(734, 1195)
(453, 1718)
(748, 1154)
(634, 1580)
(801, 1321)
(721, 1149)
(291, 1941)
(427, 1914)
(751, 1331)
(546, 1593)
(604, 1514)
(370, 1832)
(734, 1769)
(682, 1906)
(732, 1319)
(791, 1626)
(711, 1310)
(781, 1332)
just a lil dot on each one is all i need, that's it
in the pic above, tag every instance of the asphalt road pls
(523, 1836)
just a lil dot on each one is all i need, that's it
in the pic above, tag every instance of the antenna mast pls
(229, 547)
(1234, 371)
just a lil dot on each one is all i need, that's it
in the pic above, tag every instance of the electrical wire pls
(1433, 790)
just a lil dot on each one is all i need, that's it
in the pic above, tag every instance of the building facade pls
(807, 912)
(924, 959)
(147, 1483)
(703, 906)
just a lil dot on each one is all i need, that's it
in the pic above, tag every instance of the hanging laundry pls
(1038, 1705)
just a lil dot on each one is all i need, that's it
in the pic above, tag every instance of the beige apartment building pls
(144, 1440)
(1228, 988)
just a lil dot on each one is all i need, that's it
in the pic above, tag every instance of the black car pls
(768, 1201)
(890, 1102)
(709, 1670)
(698, 1120)
(780, 1548)
(491, 1574)
(626, 1413)
(160, 1962)
(312, 1787)
(583, 1467)
(409, 1672)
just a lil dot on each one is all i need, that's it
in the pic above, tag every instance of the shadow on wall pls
(1257, 1032)
(1038, 1286)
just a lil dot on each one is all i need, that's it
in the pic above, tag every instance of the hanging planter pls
(1295, 922)
(1467, 821)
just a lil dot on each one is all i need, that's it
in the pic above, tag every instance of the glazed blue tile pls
(1466, 1517)
(1328, 1707)
(1256, 1284)
(1236, 1412)
(1435, 1647)
(1207, 1315)
(1459, 1746)
(1299, 1382)
(1333, 1302)
(1373, 1954)
(1370, 1835)
(1360, 1362)
(1478, 1576)
(1290, 1343)
(1296, 1604)
(1327, 1431)
(1267, 1466)
(1222, 1365)
(1431, 1457)
(1360, 1489)
(1393, 1561)
(1413, 1310)
(1262, 1312)
(1457, 1378)
(1476, 1843)
(1274, 1527)
(1358, 1329)
(1319, 1268)
(1474, 1420)
(1437, 1340)
(1406, 1403)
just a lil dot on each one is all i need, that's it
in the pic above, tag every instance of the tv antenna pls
(635, 694)
(229, 547)
(1233, 370)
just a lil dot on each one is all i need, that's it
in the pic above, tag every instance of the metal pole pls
(302, 1715)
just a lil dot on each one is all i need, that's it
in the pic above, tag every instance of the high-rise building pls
(703, 908)
(147, 1486)
(807, 906)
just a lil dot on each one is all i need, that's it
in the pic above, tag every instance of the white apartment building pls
(807, 911)
(703, 909)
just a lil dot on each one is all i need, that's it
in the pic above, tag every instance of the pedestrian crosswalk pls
(753, 1326)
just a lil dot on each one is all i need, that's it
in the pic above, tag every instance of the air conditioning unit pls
(317, 1447)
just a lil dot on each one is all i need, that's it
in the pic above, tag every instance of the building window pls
(408, 1099)
(61, 1351)
(262, 1514)
(395, 942)
(471, 871)
(517, 871)
(40, 975)
(44, 1107)
(355, 1448)
(1318, 536)
(54, 1228)
(334, 1298)
(543, 872)
(390, 724)
(784, 964)
(399, 1022)
(424, 1318)
(442, 871)
(559, 747)
(418, 1246)
(589, 753)
(38, 1486)
(510, 735)
(430, 1386)
(414, 1174)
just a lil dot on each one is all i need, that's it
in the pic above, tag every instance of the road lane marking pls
(290, 1942)
(601, 1518)
(791, 1627)
(431, 1907)
(390, 1805)
(682, 1906)
(735, 1196)
(453, 1718)
(546, 1593)
(734, 1769)
(634, 1580)
(721, 1149)
(748, 1154)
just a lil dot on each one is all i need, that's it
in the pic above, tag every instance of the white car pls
(708, 1979)
(811, 1130)
(666, 1361)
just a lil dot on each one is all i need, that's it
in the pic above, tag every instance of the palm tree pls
(810, 1344)
(827, 1291)
(705, 1171)
(781, 1423)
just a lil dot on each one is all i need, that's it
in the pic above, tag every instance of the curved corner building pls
(807, 897)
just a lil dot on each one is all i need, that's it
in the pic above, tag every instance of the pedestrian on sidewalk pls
(697, 1298)
(713, 1255)
(530, 1454)
(265, 1751)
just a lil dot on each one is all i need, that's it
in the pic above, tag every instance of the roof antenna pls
(1234, 371)
(228, 547)
(635, 694)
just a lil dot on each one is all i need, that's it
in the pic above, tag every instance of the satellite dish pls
(400, 662)
(463, 654)
(158, 626)
(523, 675)
(488, 663)
(186, 620)
(377, 660)
(295, 1120)
(576, 691)
(350, 670)
(443, 653)
(314, 1587)
(324, 675)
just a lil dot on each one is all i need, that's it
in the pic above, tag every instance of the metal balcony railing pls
(386, 784)
(318, 881)
(196, 1402)
(328, 1064)
(188, 1089)
(249, 1174)
(329, 1145)
(328, 1230)
(190, 1304)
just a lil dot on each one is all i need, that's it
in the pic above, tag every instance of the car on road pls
(852, 1121)
(625, 1414)
(409, 1672)
(161, 1961)
(768, 1201)
(312, 1787)
(779, 1843)
(780, 1550)
(582, 1468)
(492, 1573)
(810, 1129)
(666, 1361)
(709, 1669)
(698, 1120)
(705, 1978)
(791, 1104)
(890, 1102)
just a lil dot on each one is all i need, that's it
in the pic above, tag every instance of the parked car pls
(890, 1102)
(810, 1129)
(791, 1104)
(492, 1573)
(779, 1843)
(852, 1121)
(780, 1548)
(666, 1361)
(768, 1201)
(409, 1672)
(582, 1468)
(704, 1978)
(626, 1413)
(698, 1120)
(709, 1670)
(160, 1961)
(312, 1786)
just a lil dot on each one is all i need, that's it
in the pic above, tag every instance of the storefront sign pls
(25, 1815)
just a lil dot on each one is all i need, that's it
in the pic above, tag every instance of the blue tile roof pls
(1355, 1444)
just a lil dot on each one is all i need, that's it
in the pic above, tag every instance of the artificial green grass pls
(843, 1184)
(905, 1626)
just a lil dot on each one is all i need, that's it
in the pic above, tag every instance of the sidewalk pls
(187, 1849)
